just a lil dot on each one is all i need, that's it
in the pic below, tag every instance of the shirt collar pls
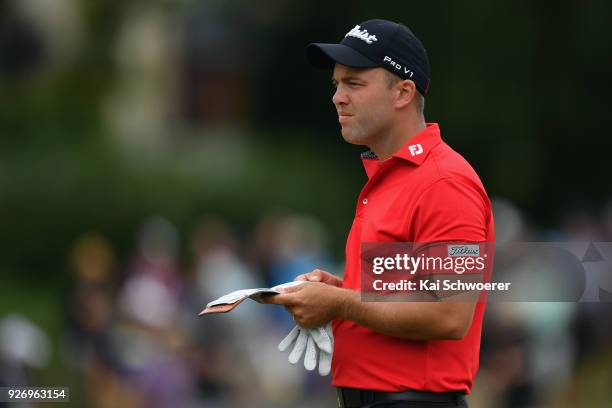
(414, 151)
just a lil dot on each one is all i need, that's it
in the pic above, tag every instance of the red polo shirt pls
(426, 192)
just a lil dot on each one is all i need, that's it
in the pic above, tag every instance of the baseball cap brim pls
(327, 55)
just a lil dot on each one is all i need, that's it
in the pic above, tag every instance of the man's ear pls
(406, 93)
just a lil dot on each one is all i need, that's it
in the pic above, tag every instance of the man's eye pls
(354, 84)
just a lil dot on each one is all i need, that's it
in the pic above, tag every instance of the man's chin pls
(350, 137)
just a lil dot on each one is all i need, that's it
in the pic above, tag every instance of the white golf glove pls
(310, 341)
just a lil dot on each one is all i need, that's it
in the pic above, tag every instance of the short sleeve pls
(450, 211)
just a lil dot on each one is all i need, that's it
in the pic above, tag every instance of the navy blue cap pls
(377, 43)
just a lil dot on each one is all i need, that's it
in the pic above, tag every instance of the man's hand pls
(312, 304)
(319, 275)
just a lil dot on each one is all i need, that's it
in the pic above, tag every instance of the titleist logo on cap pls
(361, 34)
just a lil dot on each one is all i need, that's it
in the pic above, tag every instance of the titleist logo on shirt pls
(463, 250)
(361, 34)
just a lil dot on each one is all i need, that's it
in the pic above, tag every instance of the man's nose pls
(340, 97)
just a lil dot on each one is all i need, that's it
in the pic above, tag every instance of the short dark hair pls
(393, 79)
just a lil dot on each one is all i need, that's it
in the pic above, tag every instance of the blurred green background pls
(113, 112)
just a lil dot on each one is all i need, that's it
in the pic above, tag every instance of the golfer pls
(419, 190)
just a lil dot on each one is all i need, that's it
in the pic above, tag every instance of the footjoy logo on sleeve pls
(361, 34)
(463, 250)
(415, 149)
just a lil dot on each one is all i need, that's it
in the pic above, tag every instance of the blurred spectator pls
(293, 245)
(23, 347)
(86, 346)
(238, 349)
(526, 353)
(149, 337)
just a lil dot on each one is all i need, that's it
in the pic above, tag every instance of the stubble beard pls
(358, 134)
(355, 134)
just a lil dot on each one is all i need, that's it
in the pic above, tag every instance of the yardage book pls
(228, 302)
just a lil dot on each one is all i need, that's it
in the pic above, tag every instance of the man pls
(419, 190)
